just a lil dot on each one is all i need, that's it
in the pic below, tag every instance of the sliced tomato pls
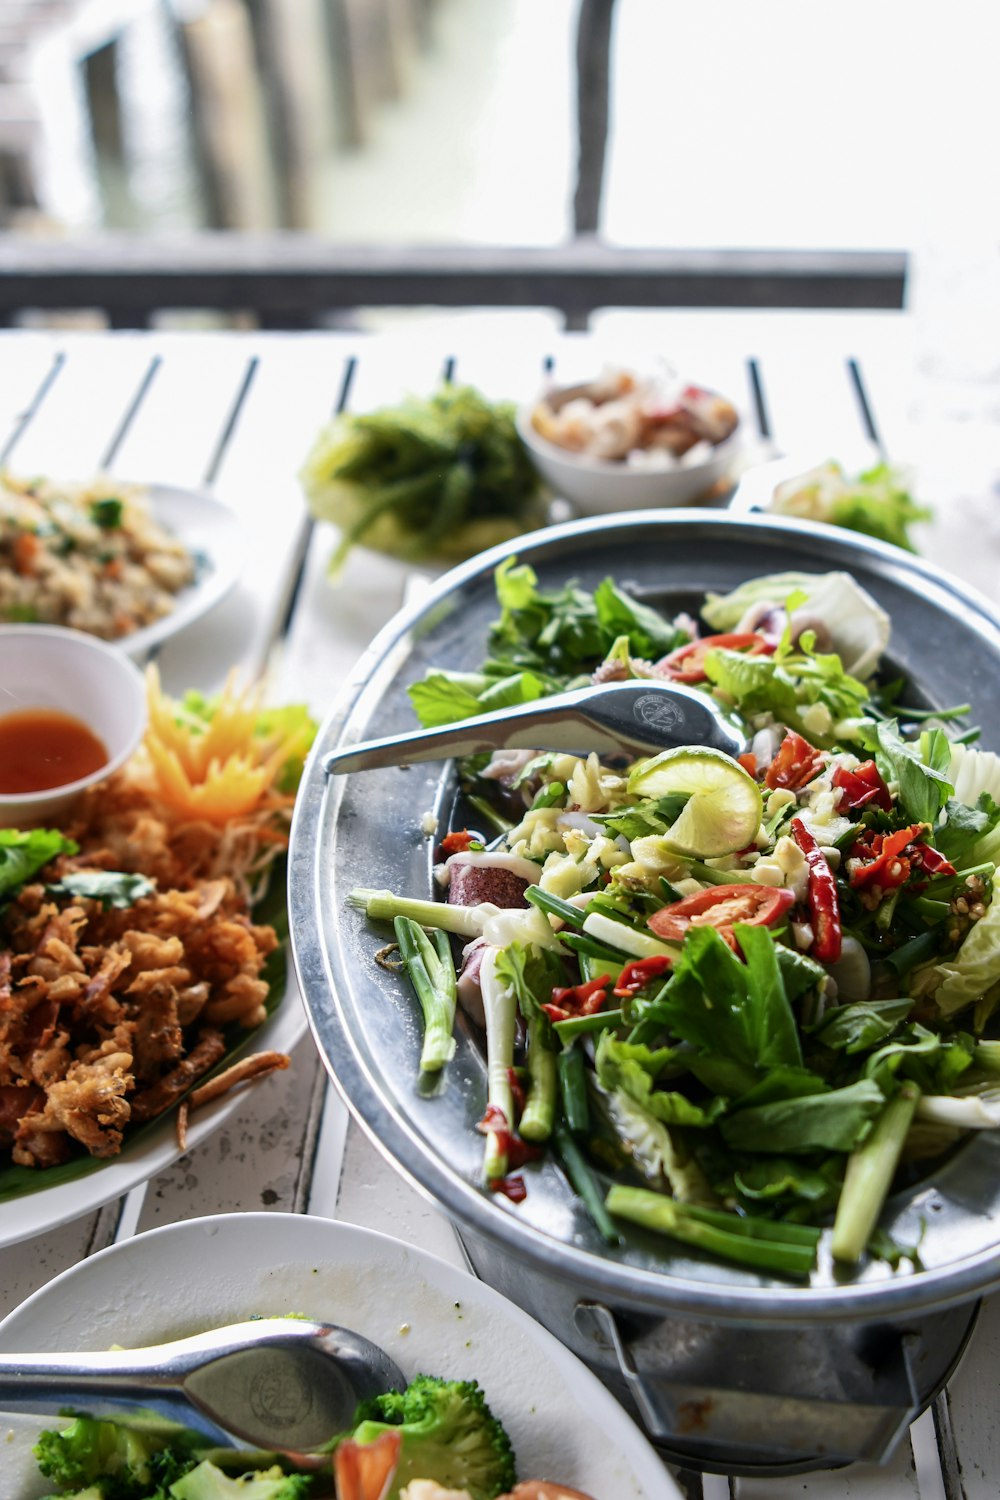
(721, 907)
(795, 764)
(687, 663)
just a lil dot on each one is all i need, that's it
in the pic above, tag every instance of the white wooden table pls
(236, 414)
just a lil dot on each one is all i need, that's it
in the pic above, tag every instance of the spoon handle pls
(633, 718)
(103, 1385)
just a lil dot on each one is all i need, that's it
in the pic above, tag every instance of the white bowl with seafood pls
(627, 442)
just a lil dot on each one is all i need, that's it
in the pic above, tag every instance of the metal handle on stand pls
(858, 1408)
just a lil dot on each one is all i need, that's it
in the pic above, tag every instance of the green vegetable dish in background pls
(736, 1001)
(876, 502)
(441, 478)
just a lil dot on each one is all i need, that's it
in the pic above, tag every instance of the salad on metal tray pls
(737, 999)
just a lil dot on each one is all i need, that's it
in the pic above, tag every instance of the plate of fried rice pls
(142, 956)
(127, 562)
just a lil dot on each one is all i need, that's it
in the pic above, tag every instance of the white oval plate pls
(207, 1272)
(209, 530)
(47, 1207)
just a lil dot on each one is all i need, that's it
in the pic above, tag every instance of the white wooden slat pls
(896, 1480)
(22, 371)
(289, 395)
(81, 413)
(381, 1198)
(173, 436)
(254, 1161)
(328, 1160)
(812, 404)
(505, 369)
(971, 1402)
(29, 1265)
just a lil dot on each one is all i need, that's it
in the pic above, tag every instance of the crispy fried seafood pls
(110, 1012)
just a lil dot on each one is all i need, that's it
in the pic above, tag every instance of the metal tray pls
(365, 831)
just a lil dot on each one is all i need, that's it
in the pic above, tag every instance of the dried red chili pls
(824, 908)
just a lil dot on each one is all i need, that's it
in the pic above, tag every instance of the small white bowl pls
(596, 486)
(46, 666)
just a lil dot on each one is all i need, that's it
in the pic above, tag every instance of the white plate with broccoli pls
(430, 1318)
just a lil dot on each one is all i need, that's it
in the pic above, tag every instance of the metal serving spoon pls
(637, 718)
(283, 1385)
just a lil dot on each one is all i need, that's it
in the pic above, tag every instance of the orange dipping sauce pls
(41, 748)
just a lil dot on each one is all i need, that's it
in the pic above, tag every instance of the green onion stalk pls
(870, 1170)
(787, 1249)
(431, 969)
(500, 1007)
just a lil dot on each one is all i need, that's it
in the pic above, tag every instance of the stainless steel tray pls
(365, 831)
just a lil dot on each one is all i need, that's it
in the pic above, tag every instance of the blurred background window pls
(434, 121)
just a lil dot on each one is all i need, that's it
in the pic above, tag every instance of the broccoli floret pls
(117, 1460)
(92, 1492)
(449, 1435)
(206, 1482)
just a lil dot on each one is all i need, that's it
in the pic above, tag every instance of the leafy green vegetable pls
(964, 826)
(447, 476)
(918, 768)
(856, 1028)
(113, 888)
(837, 1120)
(24, 853)
(877, 502)
(725, 1008)
(634, 1069)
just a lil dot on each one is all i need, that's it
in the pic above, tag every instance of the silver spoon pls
(638, 718)
(283, 1385)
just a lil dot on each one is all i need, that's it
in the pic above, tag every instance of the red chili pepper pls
(518, 1152)
(880, 858)
(578, 1000)
(862, 785)
(932, 861)
(749, 762)
(511, 1187)
(795, 764)
(687, 662)
(824, 908)
(639, 973)
(458, 842)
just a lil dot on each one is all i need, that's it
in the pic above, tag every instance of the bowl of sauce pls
(72, 710)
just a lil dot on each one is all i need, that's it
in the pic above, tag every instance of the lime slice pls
(724, 806)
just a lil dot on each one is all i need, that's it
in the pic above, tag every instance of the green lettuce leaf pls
(23, 854)
(633, 1070)
(924, 784)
